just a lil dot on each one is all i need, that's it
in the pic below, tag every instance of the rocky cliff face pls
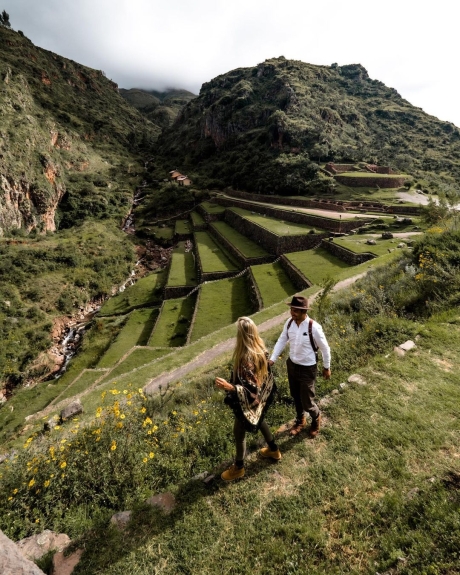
(64, 128)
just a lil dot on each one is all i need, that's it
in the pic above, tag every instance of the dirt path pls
(227, 346)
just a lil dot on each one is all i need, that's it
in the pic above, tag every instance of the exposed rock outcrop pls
(13, 562)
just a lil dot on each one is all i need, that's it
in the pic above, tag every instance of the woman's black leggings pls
(240, 437)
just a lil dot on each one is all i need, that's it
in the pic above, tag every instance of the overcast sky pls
(408, 45)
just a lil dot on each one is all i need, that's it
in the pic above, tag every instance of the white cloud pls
(153, 43)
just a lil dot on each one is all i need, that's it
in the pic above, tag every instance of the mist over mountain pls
(266, 129)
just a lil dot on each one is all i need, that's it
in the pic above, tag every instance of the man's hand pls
(270, 362)
(326, 373)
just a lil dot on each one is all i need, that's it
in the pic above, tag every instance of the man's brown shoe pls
(298, 426)
(266, 452)
(314, 427)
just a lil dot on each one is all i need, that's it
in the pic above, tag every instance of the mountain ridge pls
(268, 127)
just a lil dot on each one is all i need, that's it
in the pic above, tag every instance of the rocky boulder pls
(12, 561)
(36, 546)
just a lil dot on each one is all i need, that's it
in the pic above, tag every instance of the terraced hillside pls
(147, 329)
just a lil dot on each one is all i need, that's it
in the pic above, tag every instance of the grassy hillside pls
(69, 144)
(161, 108)
(267, 128)
(377, 491)
(70, 160)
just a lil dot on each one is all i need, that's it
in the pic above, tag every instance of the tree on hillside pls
(5, 19)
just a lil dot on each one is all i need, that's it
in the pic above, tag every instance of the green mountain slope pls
(161, 108)
(69, 142)
(267, 128)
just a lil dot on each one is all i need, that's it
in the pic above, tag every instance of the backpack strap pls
(288, 326)
(312, 341)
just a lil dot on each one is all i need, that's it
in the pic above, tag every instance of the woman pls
(249, 394)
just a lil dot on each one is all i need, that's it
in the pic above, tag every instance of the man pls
(305, 337)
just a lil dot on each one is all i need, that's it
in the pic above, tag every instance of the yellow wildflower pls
(143, 410)
(47, 483)
(15, 491)
(31, 483)
(113, 446)
(125, 391)
(63, 465)
(151, 455)
(122, 416)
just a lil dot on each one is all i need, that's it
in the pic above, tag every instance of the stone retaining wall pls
(411, 210)
(370, 181)
(192, 323)
(182, 237)
(207, 216)
(254, 292)
(240, 258)
(299, 281)
(268, 240)
(345, 254)
(172, 292)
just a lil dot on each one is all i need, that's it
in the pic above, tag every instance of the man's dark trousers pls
(302, 379)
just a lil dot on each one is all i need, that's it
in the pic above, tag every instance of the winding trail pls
(226, 346)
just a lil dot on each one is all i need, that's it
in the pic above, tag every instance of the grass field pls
(317, 264)
(278, 227)
(273, 283)
(221, 303)
(183, 227)
(145, 292)
(136, 331)
(137, 358)
(213, 257)
(182, 271)
(358, 244)
(30, 400)
(172, 326)
(246, 246)
(197, 219)
(162, 233)
(82, 383)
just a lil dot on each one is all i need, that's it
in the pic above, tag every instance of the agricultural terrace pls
(145, 292)
(197, 219)
(317, 264)
(213, 257)
(246, 246)
(182, 227)
(278, 227)
(86, 379)
(182, 270)
(211, 208)
(172, 326)
(136, 331)
(138, 357)
(359, 245)
(273, 283)
(220, 303)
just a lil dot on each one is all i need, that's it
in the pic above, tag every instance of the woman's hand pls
(221, 383)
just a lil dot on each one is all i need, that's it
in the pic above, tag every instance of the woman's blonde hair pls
(250, 349)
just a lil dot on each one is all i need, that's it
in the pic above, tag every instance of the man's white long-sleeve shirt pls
(301, 351)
